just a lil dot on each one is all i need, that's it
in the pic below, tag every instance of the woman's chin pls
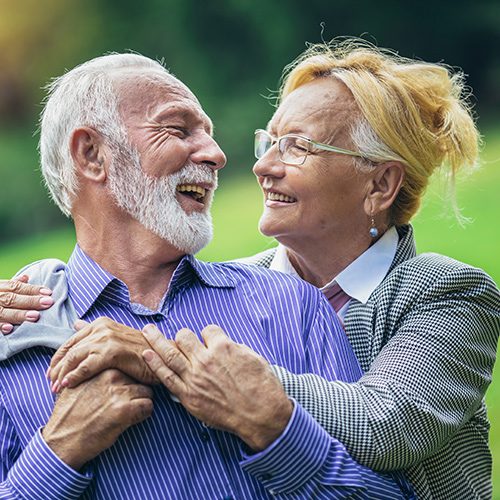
(273, 228)
(268, 228)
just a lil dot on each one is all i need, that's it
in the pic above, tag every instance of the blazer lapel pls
(360, 319)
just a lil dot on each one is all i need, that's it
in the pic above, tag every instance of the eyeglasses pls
(292, 148)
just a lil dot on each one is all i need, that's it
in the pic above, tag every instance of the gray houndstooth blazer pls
(427, 340)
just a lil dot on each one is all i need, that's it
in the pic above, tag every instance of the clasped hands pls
(224, 384)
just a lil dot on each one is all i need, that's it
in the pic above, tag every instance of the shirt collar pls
(363, 275)
(282, 263)
(87, 280)
(360, 278)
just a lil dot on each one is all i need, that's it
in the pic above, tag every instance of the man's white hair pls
(82, 97)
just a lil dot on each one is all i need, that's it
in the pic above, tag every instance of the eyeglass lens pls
(263, 143)
(292, 149)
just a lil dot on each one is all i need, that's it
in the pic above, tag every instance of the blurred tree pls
(230, 52)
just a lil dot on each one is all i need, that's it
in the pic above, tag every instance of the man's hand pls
(88, 419)
(21, 302)
(226, 385)
(98, 346)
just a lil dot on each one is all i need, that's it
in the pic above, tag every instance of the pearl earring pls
(373, 229)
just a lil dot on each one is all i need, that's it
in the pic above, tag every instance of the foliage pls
(236, 211)
(231, 53)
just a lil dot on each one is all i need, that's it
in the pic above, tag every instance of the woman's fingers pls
(21, 302)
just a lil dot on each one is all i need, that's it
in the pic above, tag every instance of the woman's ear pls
(88, 153)
(386, 182)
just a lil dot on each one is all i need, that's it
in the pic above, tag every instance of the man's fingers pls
(212, 334)
(80, 324)
(140, 409)
(166, 376)
(167, 350)
(189, 344)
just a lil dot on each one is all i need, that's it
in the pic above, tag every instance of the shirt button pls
(158, 318)
(205, 436)
(267, 476)
(228, 497)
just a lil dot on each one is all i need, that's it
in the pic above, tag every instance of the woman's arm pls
(427, 383)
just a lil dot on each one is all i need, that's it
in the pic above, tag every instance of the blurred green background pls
(231, 53)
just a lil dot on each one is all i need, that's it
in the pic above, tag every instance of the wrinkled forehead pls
(324, 103)
(143, 92)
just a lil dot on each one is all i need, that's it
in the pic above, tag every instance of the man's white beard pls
(152, 201)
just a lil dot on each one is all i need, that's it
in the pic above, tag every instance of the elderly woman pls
(343, 165)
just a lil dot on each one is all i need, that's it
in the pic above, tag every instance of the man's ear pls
(385, 184)
(88, 153)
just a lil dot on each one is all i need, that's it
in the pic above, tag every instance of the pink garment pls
(337, 297)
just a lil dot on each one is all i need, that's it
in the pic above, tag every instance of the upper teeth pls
(198, 191)
(280, 197)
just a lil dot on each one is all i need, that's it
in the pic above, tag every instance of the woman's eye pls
(298, 147)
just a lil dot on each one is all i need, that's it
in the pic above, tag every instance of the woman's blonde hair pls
(414, 112)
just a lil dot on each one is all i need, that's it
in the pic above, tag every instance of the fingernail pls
(46, 301)
(54, 386)
(47, 373)
(7, 328)
(65, 383)
(147, 356)
(46, 291)
(32, 315)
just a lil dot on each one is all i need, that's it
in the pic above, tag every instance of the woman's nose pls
(269, 164)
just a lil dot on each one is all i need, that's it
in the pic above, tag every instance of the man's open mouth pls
(192, 190)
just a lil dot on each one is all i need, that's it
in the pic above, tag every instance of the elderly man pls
(128, 152)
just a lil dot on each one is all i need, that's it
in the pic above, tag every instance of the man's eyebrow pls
(184, 114)
(210, 128)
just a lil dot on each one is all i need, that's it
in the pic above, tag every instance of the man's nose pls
(210, 154)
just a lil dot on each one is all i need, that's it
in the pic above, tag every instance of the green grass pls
(236, 212)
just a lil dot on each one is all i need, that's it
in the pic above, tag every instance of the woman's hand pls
(21, 302)
(95, 347)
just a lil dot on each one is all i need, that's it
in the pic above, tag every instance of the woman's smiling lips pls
(277, 197)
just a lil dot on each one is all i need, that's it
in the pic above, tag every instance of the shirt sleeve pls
(426, 382)
(305, 461)
(38, 474)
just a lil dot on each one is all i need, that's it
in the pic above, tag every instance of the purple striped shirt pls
(172, 454)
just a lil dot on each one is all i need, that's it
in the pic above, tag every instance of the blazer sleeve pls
(55, 325)
(427, 382)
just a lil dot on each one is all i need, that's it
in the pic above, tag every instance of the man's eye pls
(175, 130)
